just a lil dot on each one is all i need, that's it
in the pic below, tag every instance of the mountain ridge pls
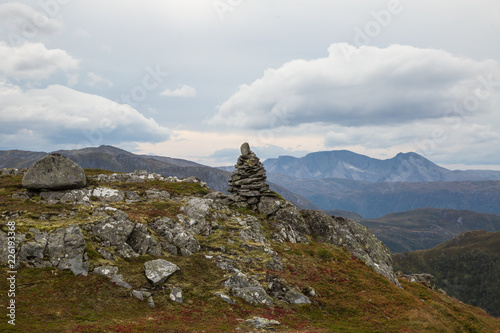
(404, 167)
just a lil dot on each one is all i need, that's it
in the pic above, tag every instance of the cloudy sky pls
(194, 79)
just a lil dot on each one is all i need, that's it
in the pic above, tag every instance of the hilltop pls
(85, 257)
(466, 267)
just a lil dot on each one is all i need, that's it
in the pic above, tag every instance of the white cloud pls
(97, 80)
(58, 115)
(25, 23)
(33, 61)
(184, 91)
(379, 86)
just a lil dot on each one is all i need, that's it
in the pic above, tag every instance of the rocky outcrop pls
(63, 248)
(356, 239)
(54, 172)
(248, 182)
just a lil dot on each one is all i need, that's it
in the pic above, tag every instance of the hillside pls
(425, 228)
(466, 267)
(119, 160)
(344, 164)
(85, 258)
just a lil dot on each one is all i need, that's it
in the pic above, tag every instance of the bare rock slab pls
(54, 172)
(158, 271)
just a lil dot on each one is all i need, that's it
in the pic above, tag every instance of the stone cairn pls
(248, 182)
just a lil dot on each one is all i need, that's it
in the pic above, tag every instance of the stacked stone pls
(248, 182)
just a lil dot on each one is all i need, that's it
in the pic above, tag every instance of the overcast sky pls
(194, 79)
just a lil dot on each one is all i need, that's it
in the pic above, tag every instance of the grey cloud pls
(58, 114)
(378, 86)
(27, 23)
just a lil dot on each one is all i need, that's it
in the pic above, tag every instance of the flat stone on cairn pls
(54, 172)
(248, 182)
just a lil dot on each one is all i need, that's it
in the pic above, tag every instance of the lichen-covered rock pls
(196, 211)
(66, 250)
(175, 239)
(357, 239)
(248, 289)
(158, 271)
(54, 172)
(142, 242)
(225, 298)
(262, 323)
(294, 297)
(253, 295)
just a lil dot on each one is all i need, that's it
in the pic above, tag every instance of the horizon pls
(193, 80)
(478, 167)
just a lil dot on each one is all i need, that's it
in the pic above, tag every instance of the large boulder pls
(54, 172)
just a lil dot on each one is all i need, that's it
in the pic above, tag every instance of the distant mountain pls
(427, 227)
(119, 160)
(372, 200)
(466, 267)
(345, 214)
(344, 164)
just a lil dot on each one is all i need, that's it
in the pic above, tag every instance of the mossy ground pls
(351, 297)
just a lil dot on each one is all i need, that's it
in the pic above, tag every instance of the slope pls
(466, 267)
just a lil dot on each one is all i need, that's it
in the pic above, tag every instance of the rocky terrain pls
(140, 251)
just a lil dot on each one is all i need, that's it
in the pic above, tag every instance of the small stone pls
(176, 295)
(245, 149)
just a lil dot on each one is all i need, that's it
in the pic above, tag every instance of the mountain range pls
(344, 164)
(334, 180)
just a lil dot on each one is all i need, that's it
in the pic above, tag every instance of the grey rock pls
(11, 172)
(176, 295)
(142, 242)
(187, 242)
(295, 297)
(225, 298)
(54, 172)
(106, 270)
(197, 210)
(107, 194)
(113, 233)
(240, 280)
(270, 205)
(137, 294)
(245, 149)
(118, 280)
(154, 194)
(158, 271)
(262, 323)
(253, 295)
(151, 302)
(66, 250)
